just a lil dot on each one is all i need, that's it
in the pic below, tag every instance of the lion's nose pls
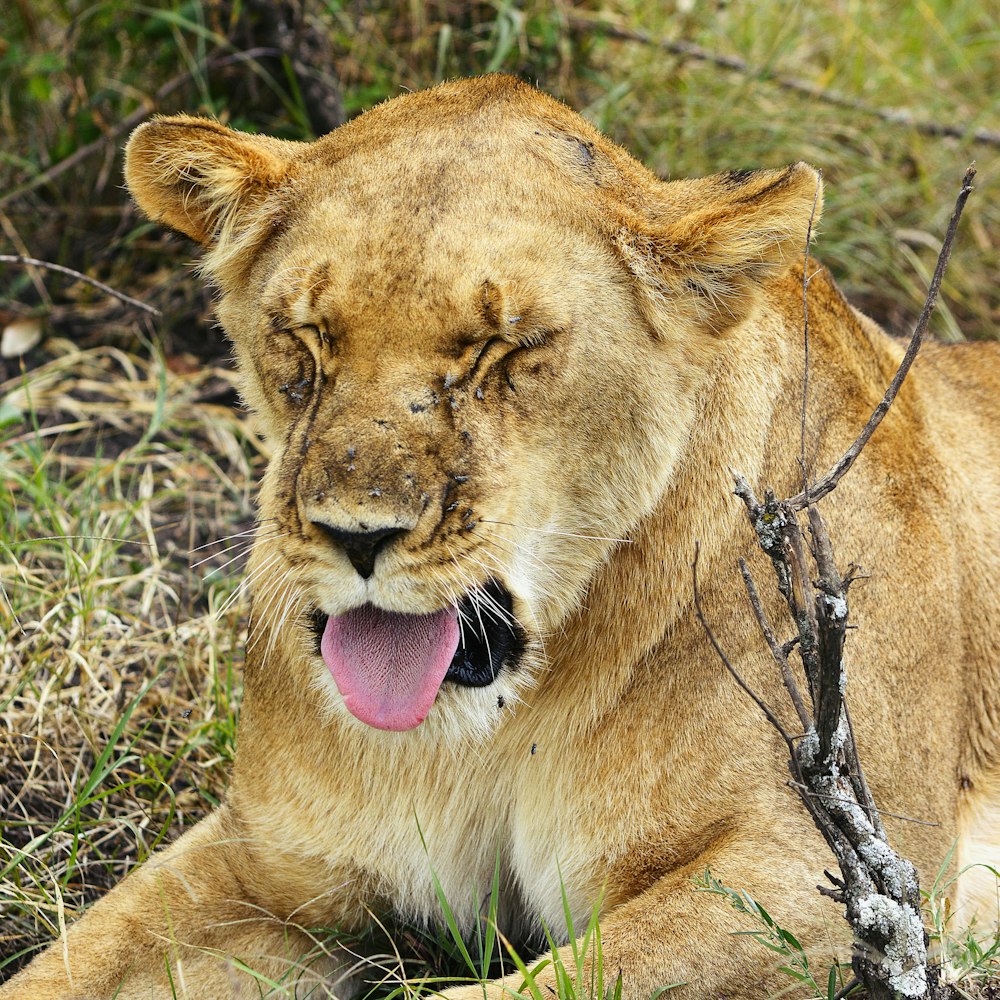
(361, 547)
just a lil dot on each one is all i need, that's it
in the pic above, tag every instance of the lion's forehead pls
(458, 158)
(445, 294)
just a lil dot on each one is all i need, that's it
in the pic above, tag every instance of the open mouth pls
(489, 637)
(389, 666)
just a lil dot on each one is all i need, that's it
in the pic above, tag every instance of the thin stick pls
(825, 485)
(805, 334)
(776, 651)
(761, 704)
(896, 116)
(806, 790)
(10, 258)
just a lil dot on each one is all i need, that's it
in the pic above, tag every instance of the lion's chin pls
(389, 666)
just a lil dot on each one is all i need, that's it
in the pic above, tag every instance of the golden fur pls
(645, 339)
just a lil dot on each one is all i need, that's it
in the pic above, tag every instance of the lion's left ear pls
(715, 240)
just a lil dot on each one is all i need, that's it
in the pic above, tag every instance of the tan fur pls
(658, 337)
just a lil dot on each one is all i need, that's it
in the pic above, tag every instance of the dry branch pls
(688, 50)
(878, 888)
(8, 258)
(823, 486)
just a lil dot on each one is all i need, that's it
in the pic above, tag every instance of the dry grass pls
(122, 469)
(121, 646)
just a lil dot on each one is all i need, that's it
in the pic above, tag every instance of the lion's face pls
(454, 320)
(441, 395)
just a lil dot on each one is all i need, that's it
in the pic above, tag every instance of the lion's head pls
(474, 330)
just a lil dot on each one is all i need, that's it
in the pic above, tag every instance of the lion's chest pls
(448, 830)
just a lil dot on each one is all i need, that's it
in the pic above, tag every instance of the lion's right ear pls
(202, 178)
(705, 250)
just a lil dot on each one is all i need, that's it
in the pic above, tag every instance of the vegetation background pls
(126, 463)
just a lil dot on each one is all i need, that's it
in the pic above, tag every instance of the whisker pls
(272, 603)
(246, 550)
(236, 534)
(247, 581)
(541, 570)
(268, 600)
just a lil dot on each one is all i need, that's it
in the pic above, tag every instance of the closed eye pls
(500, 350)
(488, 348)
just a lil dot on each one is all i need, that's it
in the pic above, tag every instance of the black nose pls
(361, 547)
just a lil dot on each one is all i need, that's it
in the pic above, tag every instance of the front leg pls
(673, 935)
(186, 925)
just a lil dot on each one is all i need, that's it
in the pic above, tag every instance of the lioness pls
(505, 372)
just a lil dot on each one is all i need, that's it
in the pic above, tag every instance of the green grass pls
(120, 460)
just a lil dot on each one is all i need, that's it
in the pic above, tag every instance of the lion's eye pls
(490, 352)
(290, 368)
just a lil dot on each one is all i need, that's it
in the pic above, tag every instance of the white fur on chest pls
(450, 819)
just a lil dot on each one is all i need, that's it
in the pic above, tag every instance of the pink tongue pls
(388, 666)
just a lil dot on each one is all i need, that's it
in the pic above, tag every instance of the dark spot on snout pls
(417, 408)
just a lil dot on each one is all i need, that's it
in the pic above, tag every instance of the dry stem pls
(688, 50)
(8, 258)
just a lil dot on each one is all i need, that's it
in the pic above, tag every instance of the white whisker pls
(250, 532)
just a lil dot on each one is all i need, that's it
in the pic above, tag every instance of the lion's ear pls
(716, 239)
(199, 177)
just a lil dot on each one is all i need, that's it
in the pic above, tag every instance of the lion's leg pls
(673, 934)
(182, 925)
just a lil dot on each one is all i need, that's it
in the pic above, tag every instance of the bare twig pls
(7, 258)
(805, 332)
(879, 888)
(761, 704)
(777, 650)
(843, 798)
(823, 486)
(853, 984)
(688, 50)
